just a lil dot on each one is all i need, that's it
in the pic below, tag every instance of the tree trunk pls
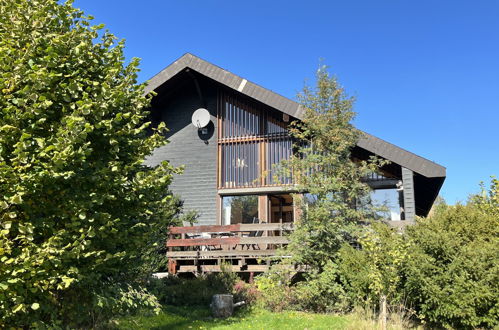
(222, 305)
(382, 311)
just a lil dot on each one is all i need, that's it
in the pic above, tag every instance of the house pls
(229, 160)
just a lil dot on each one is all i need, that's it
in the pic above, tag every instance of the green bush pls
(453, 267)
(246, 292)
(110, 301)
(78, 208)
(376, 268)
(322, 292)
(173, 290)
(277, 294)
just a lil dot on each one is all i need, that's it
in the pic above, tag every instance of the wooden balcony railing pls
(203, 248)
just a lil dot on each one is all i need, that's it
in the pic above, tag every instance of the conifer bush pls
(453, 267)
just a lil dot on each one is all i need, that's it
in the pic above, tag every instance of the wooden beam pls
(221, 254)
(264, 240)
(204, 229)
(266, 226)
(230, 228)
(230, 241)
(203, 241)
(263, 208)
(216, 268)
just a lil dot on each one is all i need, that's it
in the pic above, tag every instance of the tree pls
(78, 208)
(323, 168)
(333, 198)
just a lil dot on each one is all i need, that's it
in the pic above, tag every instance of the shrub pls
(173, 290)
(453, 268)
(246, 292)
(322, 292)
(110, 301)
(375, 269)
(277, 294)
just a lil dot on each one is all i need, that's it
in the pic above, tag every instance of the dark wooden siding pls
(197, 186)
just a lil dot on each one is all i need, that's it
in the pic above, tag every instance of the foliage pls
(246, 292)
(173, 290)
(357, 277)
(323, 168)
(108, 302)
(385, 253)
(334, 199)
(78, 208)
(453, 267)
(277, 294)
(487, 201)
(323, 292)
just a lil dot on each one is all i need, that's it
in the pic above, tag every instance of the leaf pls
(18, 308)
(35, 306)
(16, 199)
(67, 281)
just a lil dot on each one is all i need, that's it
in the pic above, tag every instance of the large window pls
(389, 200)
(239, 209)
(252, 142)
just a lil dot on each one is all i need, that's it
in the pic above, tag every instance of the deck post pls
(263, 208)
(172, 266)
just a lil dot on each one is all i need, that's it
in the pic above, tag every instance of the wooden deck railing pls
(236, 243)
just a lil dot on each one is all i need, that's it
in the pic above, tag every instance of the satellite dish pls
(200, 118)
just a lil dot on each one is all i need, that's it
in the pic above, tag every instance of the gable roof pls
(367, 141)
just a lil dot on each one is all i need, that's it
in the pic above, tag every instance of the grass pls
(200, 318)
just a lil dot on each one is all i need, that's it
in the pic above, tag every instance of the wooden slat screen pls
(252, 141)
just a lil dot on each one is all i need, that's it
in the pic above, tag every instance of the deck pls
(244, 247)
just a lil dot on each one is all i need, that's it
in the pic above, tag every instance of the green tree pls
(323, 167)
(78, 208)
(333, 198)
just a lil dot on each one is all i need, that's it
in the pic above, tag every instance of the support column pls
(409, 197)
(263, 208)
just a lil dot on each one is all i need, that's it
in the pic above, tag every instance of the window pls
(239, 209)
(389, 199)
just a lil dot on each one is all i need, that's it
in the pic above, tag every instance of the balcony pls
(243, 247)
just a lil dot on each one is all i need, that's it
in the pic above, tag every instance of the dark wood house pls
(228, 177)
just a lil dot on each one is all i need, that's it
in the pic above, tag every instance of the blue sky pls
(425, 73)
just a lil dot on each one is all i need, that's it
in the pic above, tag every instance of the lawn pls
(200, 318)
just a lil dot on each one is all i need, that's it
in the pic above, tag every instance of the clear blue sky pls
(425, 73)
